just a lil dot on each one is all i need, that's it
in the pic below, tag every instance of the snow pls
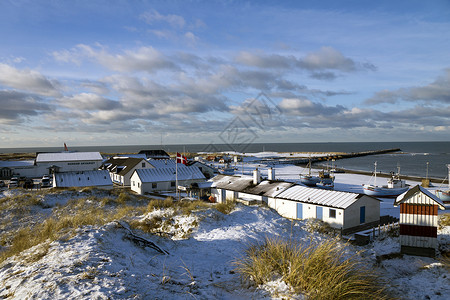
(102, 262)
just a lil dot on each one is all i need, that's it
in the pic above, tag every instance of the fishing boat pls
(395, 186)
(308, 179)
(325, 179)
(444, 195)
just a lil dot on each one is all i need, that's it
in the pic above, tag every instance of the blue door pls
(299, 211)
(319, 212)
(362, 214)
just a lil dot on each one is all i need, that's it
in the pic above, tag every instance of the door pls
(299, 211)
(362, 214)
(319, 212)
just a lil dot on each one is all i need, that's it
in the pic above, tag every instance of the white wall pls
(72, 166)
(352, 213)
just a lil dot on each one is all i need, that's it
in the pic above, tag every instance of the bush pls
(319, 271)
(226, 207)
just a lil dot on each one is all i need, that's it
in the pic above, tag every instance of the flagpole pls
(176, 176)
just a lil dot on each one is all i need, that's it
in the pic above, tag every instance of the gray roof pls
(168, 174)
(84, 178)
(163, 163)
(268, 188)
(232, 183)
(68, 156)
(322, 197)
(16, 163)
(124, 164)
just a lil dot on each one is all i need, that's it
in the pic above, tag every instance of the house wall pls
(72, 166)
(418, 225)
(147, 187)
(289, 209)
(249, 196)
(353, 212)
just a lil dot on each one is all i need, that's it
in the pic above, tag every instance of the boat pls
(325, 179)
(308, 179)
(444, 195)
(395, 186)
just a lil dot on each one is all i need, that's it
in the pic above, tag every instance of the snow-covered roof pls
(16, 163)
(162, 163)
(417, 189)
(320, 196)
(168, 174)
(269, 188)
(68, 156)
(84, 178)
(232, 183)
(132, 155)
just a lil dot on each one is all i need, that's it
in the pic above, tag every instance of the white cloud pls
(153, 16)
(27, 80)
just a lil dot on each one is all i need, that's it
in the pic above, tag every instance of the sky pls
(112, 72)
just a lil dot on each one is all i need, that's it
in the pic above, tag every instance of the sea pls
(423, 159)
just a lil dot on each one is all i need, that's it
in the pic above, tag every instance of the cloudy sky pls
(135, 72)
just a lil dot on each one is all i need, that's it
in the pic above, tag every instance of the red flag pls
(181, 159)
(65, 147)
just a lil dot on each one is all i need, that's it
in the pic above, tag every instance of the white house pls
(342, 210)
(97, 178)
(121, 168)
(228, 187)
(18, 167)
(164, 179)
(68, 161)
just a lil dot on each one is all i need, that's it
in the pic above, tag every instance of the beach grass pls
(318, 271)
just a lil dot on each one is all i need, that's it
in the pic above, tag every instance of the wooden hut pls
(418, 221)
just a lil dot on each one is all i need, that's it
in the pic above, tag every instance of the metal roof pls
(162, 163)
(232, 183)
(68, 156)
(323, 197)
(83, 178)
(268, 188)
(16, 163)
(168, 174)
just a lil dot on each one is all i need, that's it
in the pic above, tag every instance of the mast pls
(375, 174)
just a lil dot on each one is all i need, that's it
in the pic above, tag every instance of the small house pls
(98, 179)
(164, 179)
(342, 210)
(121, 168)
(418, 221)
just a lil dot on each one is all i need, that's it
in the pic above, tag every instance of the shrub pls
(319, 271)
(226, 207)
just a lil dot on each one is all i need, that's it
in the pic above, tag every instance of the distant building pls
(418, 221)
(155, 154)
(208, 171)
(68, 161)
(98, 179)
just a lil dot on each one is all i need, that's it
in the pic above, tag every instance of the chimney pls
(271, 174)
(256, 177)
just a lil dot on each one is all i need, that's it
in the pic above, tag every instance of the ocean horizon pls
(413, 159)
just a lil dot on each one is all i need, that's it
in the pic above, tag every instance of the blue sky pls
(133, 72)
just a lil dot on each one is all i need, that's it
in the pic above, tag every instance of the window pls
(138, 184)
(154, 185)
(172, 184)
(133, 183)
(332, 213)
(143, 165)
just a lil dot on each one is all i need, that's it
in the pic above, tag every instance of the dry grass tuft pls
(444, 220)
(319, 271)
(226, 207)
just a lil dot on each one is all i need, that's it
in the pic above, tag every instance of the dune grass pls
(318, 271)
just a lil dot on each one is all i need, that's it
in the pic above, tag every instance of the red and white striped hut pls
(418, 221)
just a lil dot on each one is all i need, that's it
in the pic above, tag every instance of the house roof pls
(68, 156)
(169, 174)
(418, 189)
(81, 179)
(268, 188)
(124, 165)
(16, 163)
(232, 183)
(195, 162)
(159, 153)
(323, 197)
(163, 163)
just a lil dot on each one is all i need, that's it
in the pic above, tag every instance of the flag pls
(65, 147)
(181, 159)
